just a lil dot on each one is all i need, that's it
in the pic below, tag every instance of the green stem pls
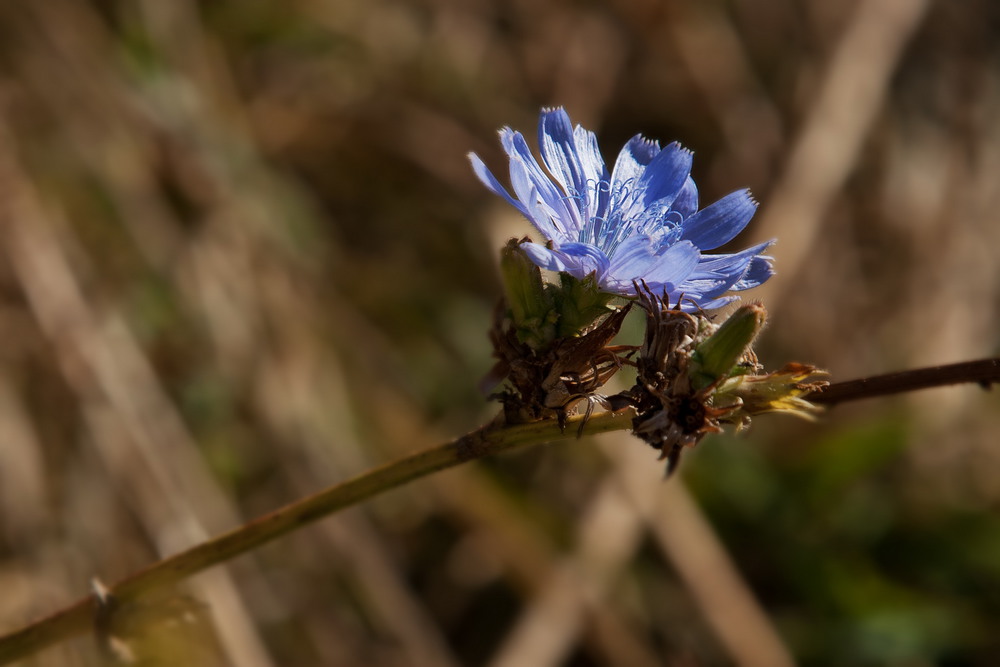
(80, 616)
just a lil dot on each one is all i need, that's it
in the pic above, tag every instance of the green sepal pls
(718, 356)
(579, 303)
(530, 302)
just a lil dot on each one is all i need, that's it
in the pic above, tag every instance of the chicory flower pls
(639, 223)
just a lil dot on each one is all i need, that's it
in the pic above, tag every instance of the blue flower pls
(639, 223)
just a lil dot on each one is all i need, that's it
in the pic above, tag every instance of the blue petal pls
(688, 300)
(594, 169)
(632, 161)
(725, 263)
(577, 259)
(584, 259)
(616, 285)
(632, 257)
(686, 203)
(717, 274)
(665, 175)
(674, 265)
(720, 222)
(565, 216)
(544, 258)
(559, 153)
(491, 182)
(708, 305)
(543, 217)
(758, 273)
(708, 288)
(595, 172)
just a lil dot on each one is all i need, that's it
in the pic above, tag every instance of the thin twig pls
(487, 441)
(984, 372)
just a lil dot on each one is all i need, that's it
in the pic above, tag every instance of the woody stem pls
(984, 372)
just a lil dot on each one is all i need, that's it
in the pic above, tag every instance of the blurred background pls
(243, 257)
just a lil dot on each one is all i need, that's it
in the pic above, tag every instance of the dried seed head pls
(694, 376)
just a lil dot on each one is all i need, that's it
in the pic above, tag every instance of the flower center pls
(615, 214)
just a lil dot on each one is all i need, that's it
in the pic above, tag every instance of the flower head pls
(640, 222)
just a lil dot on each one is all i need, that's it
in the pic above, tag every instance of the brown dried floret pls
(552, 382)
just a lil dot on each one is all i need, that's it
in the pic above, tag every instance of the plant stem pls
(984, 372)
(81, 616)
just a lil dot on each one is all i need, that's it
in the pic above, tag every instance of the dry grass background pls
(243, 258)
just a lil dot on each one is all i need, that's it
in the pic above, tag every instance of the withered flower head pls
(693, 376)
(551, 382)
